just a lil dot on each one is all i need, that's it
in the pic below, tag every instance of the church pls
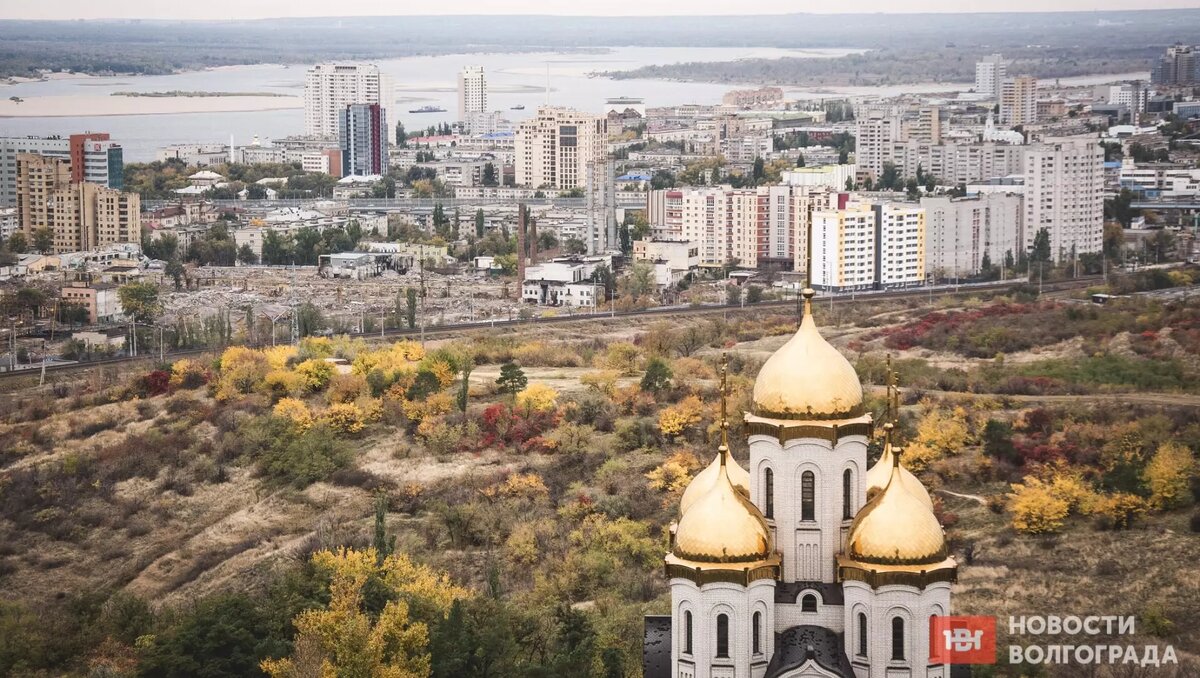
(809, 564)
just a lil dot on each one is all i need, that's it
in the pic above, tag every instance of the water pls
(513, 79)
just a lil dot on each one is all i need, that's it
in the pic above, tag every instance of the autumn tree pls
(139, 300)
(676, 419)
(658, 375)
(1168, 474)
(1035, 507)
(537, 397)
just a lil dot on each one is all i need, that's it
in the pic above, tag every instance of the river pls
(66, 104)
(513, 80)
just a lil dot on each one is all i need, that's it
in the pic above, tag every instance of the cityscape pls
(667, 351)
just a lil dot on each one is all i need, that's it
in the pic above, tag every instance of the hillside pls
(152, 521)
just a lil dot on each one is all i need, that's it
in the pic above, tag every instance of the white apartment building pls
(1018, 101)
(330, 88)
(989, 73)
(1167, 180)
(678, 255)
(472, 93)
(959, 231)
(876, 135)
(843, 250)
(899, 245)
(757, 226)
(94, 159)
(555, 148)
(830, 176)
(868, 246)
(1064, 193)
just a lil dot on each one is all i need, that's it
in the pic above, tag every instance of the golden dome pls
(704, 480)
(807, 378)
(896, 528)
(722, 526)
(881, 472)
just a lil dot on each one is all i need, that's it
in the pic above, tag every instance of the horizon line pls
(1138, 10)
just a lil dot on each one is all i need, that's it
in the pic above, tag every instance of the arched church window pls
(722, 635)
(757, 632)
(808, 603)
(862, 634)
(847, 508)
(807, 498)
(687, 632)
(897, 638)
(769, 490)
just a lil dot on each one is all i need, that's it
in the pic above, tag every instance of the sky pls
(258, 9)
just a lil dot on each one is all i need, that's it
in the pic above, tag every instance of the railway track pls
(1048, 289)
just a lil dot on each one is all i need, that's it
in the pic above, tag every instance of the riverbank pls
(75, 105)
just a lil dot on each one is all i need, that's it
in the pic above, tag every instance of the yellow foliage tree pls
(939, 433)
(278, 356)
(316, 347)
(418, 410)
(1168, 473)
(345, 388)
(282, 382)
(674, 473)
(343, 640)
(316, 373)
(537, 397)
(345, 418)
(675, 419)
(602, 381)
(186, 373)
(1036, 508)
(1122, 509)
(620, 356)
(242, 371)
(294, 410)
(444, 372)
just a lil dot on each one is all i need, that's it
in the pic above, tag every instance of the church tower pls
(808, 455)
(896, 575)
(722, 568)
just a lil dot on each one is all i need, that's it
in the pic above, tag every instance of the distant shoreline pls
(103, 105)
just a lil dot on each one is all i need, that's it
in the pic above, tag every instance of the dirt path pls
(972, 497)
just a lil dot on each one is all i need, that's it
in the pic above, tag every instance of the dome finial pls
(724, 450)
(808, 293)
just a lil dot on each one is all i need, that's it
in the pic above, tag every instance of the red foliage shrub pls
(504, 426)
(156, 383)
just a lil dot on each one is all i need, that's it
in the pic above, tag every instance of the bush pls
(1195, 522)
(299, 458)
(345, 418)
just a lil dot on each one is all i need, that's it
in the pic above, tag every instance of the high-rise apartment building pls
(1064, 193)
(875, 133)
(960, 231)
(759, 227)
(472, 92)
(867, 245)
(1178, 67)
(1018, 100)
(555, 148)
(93, 157)
(330, 88)
(363, 131)
(928, 126)
(81, 215)
(989, 73)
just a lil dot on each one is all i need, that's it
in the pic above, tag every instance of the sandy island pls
(76, 105)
